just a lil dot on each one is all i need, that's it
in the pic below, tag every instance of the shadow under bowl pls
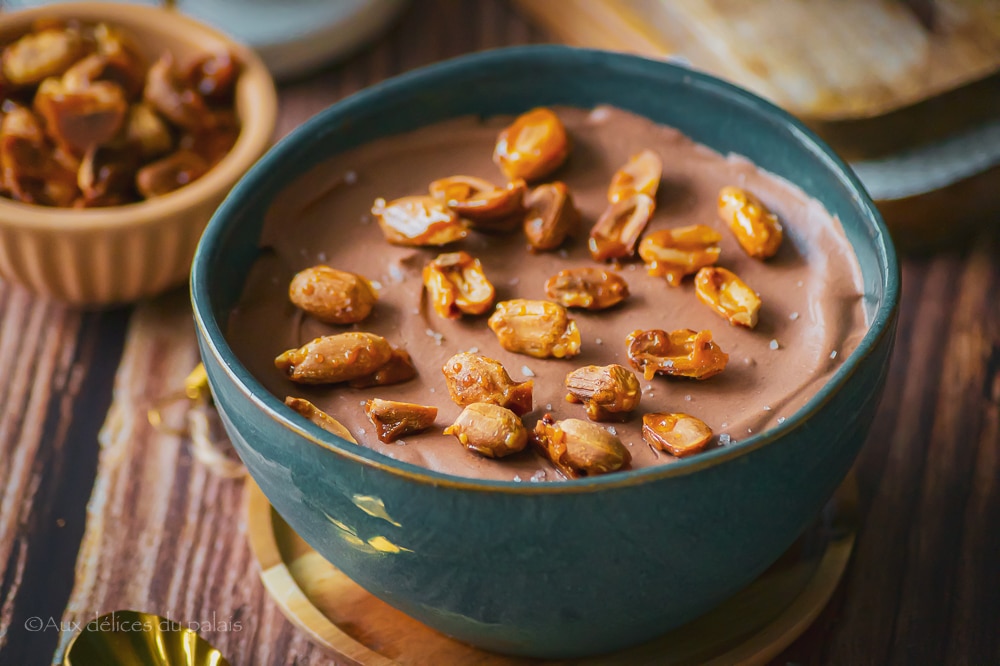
(551, 569)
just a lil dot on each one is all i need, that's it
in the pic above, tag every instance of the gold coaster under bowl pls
(752, 627)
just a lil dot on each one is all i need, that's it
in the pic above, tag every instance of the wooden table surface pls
(135, 522)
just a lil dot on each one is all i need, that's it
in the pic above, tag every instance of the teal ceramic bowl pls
(551, 569)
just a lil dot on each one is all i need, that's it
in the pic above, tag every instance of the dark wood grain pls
(163, 532)
(134, 521)
(923, 584)
(57, 366)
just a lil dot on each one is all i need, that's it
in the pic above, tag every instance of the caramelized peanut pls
(489, 430)
(474, 378)
(214, 77)
(79, 119)
(481, 202)
(125, 72)
(674, 253)
(37, 56)
(335, 358)
(166, 92)
(17, 120)
(23, 149)
(607, 392)
(320, 418)
(214, 142)
(533, 146)
(536, 328)
(728, 295)
(457, 285)
(331, 295)
(640, 176)
(756, 228)
(123, 63)
(146, 129)
(617, 231)
(31, 172)
(589, 288)
(67, 160)
(677, 434)
(551, 216)
(393, 420)
(107, 171)
(397, 370)
(83, 72)
(680, 353)
(57, 189)
(580, 448)
(418, 221)
(169, 173)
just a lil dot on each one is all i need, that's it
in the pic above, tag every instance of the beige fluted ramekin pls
(103, 256)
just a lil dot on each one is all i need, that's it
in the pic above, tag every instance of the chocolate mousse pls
(674, 314)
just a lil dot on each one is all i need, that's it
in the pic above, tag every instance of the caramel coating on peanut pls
(728, 296)
(675, 253)
(607, 392)
(457, 285)
(145, 129)
(320, 418)
(489, 430)
(551, 216)
(418, 221)
(535, 328)
(398, 369)
(580, 448)
(616, 232)
(80, 119)
(332, 296)
(335, 358)
(29, 170)
(680, 353)
(485, 205)
(172, 98)
(590, 288)
(678, 434)
(641, 175)
(170, 173)
(533, 146)
(756, 228)
(475, 378)
(40, 55)
(394, 420)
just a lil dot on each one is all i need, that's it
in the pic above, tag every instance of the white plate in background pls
(292, 36)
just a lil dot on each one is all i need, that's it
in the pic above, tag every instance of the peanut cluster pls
(533, 147)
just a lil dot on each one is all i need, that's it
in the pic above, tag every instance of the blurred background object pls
(117, 253)
(907, 90)
(291, 36)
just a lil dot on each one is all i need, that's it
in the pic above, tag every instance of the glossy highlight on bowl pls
(553, 569)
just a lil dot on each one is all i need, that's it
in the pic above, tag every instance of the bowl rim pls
(257, 123)
(215, 342)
